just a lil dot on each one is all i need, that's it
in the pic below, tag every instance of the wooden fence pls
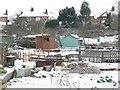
(100, 55)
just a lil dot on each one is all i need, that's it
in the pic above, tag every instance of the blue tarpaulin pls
(98, 39)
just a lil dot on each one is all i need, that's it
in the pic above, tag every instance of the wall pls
(48, 62)
(40, 43)
(70, 41)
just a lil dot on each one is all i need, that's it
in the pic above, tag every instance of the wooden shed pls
(71, 40)
(45, 42)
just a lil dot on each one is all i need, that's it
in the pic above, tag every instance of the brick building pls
(3, 20)
(98, 20)
(35, 16)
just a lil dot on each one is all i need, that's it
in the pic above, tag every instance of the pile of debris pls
(83, 67)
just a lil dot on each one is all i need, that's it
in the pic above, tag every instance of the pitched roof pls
(33, 14)
(75, 36)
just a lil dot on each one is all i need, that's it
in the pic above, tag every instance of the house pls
(35, 16)
(3, 20)
(71, 40)
(32, 16)
(43, 41)
(98, 20)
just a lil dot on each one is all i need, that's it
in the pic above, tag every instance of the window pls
(46, 39)
(37, 18)
(28, 18)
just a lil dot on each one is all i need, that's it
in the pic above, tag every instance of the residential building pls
(34, 16)
(98, 20)
(31, 16)
(3, 21)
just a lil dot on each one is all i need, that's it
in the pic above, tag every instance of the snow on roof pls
(33, 36)
(76, 36)
(2, 15)
(80, 38)
(3, 34)
(4, 23)
(61, 37)
(33, 14)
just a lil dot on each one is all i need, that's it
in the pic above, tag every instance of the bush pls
(27, 43)
(52, 24)
(2, 71)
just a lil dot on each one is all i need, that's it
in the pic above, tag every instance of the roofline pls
(33, 16)
(70, 35)
(34, 36)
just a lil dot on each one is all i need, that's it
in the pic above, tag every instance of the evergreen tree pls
(52, 23)
(85, 13)
(108, 20)
(67, 16)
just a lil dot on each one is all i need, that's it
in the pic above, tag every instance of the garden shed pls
(71, 40)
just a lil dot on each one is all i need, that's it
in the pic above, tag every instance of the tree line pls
(68, 18)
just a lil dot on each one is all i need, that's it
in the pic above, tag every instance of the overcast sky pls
(15, 6)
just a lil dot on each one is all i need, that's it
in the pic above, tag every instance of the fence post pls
(110, 56)
(79, 56)
(102, 56)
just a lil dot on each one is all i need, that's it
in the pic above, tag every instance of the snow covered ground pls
(64, 79)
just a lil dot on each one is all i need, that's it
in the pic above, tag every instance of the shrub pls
(2, 71)
(52, 24)
(27, 43)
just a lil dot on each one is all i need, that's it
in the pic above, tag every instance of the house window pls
(28, 18)
(37, 18)
(46, 39)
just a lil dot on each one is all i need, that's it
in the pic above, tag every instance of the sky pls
(15, 6)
